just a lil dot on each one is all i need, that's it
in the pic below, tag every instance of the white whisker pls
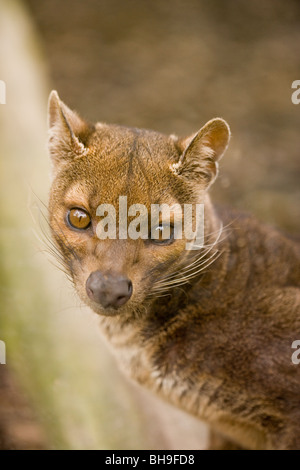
(193, 269)
(183, 280)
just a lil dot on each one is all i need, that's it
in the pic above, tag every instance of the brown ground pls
(19, 429)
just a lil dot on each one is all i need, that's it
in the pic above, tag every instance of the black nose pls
(109, 290)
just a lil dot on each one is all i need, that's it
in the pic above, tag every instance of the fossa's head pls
(93, 165)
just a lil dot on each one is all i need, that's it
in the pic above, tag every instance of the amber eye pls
(163, 234)
(78, 218)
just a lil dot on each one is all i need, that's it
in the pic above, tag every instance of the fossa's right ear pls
(201, 152)
(68, 132)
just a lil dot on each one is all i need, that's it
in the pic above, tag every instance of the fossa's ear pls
(201, 152)
(68, 132)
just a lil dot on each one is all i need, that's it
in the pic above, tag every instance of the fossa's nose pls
(107, 289)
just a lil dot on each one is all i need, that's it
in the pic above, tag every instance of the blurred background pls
(168, 66)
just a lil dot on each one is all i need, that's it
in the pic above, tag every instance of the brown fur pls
(218, 346)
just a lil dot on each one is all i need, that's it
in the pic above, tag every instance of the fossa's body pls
(209, 330)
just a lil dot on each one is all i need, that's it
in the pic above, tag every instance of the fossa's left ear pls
(68, 132)
(202, 151)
